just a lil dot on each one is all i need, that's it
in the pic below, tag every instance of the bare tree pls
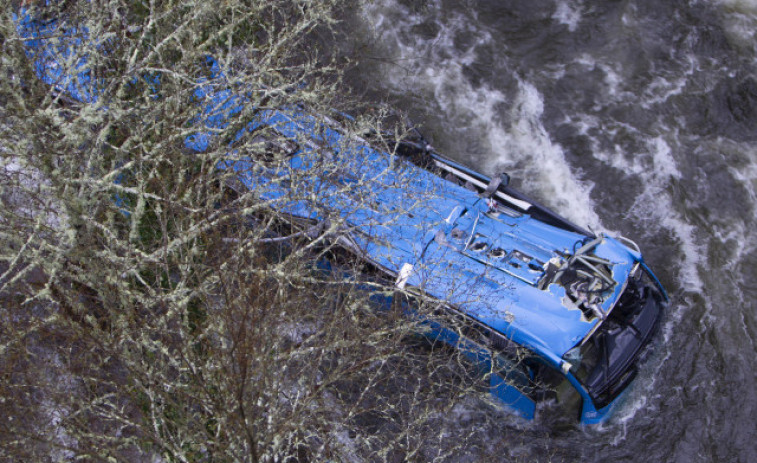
(154, 308)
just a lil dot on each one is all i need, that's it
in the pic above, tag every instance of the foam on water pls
(568, 13)
(625, 416)
(747, 174)
(653, 206)
(744, 6)
(546, 169)
(740, 20)
(663, 88)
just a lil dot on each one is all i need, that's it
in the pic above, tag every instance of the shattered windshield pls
(605, 363)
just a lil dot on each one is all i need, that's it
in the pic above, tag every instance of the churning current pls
(635, 117)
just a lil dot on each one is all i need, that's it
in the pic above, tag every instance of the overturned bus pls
(536, 302)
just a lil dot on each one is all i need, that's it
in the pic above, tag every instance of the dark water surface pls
(635, 117)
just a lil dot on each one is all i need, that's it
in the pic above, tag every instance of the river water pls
(635, 117)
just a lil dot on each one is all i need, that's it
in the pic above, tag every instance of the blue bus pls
(538, 304)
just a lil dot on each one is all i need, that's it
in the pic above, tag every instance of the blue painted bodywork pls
(487, 258)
